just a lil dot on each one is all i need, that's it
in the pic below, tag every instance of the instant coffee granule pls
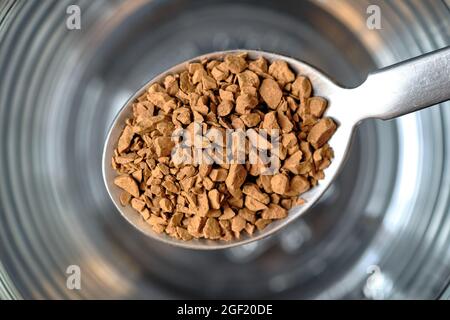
(223, 199)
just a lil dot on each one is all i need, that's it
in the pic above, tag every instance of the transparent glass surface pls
(382, 231)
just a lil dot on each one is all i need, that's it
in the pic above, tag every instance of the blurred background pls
(382, 231)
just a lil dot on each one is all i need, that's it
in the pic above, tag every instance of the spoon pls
(387, 93)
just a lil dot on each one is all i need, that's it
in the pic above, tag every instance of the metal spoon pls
(387, 93)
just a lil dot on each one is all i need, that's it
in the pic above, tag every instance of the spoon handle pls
(406, 87)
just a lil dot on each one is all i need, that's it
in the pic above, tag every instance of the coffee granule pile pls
(223, 200)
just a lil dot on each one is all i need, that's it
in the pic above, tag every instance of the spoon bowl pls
(402, 91)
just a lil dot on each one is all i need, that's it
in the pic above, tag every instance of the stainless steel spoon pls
(387, 93)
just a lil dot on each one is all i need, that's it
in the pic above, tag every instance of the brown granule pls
(213, 200)
(128, 184)
(271, 93)
(321, 132)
